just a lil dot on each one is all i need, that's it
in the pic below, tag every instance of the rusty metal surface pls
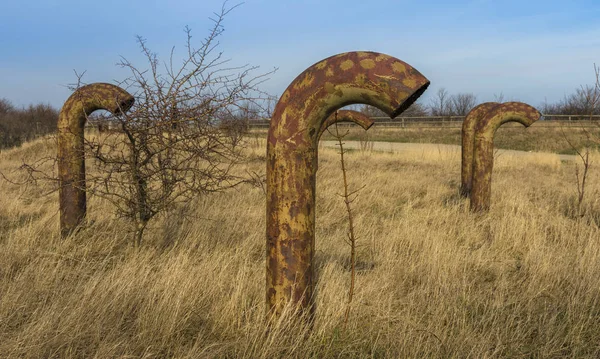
(355, 77)
(468, 144)
(483, 156)
(71, 164)
(356, 117)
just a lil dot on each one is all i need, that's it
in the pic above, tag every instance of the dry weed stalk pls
(592, 99)
(581, 177)
(347, 196)
(366, 143)
(585, 158)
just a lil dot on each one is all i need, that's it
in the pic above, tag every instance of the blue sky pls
(528, 50)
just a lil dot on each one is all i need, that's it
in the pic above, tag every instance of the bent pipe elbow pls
(468, 144)
(507, 112)
(354, 77)
(71, 163)
(356, 117)
(483, 155)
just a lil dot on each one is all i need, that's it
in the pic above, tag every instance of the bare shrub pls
(181, 139)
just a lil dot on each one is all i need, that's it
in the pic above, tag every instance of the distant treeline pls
(19, 125)
(584, 101)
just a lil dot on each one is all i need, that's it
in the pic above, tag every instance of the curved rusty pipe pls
(354, 77)
(468, 143)
(358, 118)
(483, 155)
(71, 164)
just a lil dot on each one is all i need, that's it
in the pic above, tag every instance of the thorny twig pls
(351, 235)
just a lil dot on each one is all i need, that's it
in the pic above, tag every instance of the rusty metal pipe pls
(71, 163)
(356, 117)
(468, 144)
(483, 157)
(354, 77)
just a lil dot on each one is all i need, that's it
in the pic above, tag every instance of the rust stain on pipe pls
(71, 163)
(468, 144)
(354, 77)
(358, 118)
(483, 159)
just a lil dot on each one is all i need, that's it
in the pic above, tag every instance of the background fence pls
(456, 121)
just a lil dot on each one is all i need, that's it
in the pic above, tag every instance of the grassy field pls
(434, 280)
(541, 136)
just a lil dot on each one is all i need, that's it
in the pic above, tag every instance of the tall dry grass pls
(434, 281)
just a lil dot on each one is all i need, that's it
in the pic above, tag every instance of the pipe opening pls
(124, 105)
(410, 100)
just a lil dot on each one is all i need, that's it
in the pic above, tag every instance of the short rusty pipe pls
(354, 77)
(71, 163)
(483, 157)
(468, 143)
(356, 117)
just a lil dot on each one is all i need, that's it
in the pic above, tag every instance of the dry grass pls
(541, 136)
(433, 280)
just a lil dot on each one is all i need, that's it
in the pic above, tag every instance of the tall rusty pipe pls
(483, 158)
(354, 77)
(356, 117)
(468, 144)
(71, 163)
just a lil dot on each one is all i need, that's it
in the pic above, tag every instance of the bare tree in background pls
(585, 102)
(173, 145)
(499, 97)
(462, 103)
(441, 104)
(444, 104)
(415, 110)
(371, 111)
(5, 106)
(591, 94)
(269, 106)
(21, 125)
